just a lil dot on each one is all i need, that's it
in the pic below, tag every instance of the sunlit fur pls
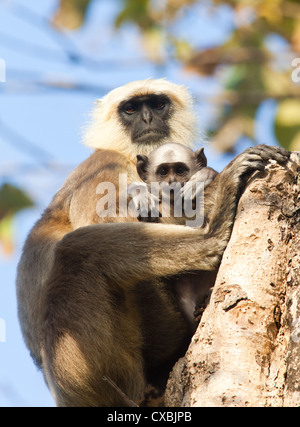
(93, 301)
(106, 131)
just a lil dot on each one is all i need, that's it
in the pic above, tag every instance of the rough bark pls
(246, 351)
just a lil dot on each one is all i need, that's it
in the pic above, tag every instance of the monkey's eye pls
(163, 171)
(181, 170)
(130, 109)
(160, 105)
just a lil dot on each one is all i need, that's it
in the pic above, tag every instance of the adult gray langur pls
(95, 294)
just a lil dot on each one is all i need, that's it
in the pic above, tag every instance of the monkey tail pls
(127, 402)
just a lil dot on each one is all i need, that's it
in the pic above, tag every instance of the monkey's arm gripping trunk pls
(157, 250)
(246, 351)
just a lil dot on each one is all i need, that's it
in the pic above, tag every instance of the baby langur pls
(170, 166)
(174, 162)
(173, 165)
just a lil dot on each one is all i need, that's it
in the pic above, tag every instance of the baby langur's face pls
(170, 163)
(171, 172)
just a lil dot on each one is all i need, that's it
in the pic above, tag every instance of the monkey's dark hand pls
(267, 152)
(254, 159)
(222, 196)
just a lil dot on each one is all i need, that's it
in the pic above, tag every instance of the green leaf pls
(7, 235)
(287, 124)
(12, 200)
(137, 12)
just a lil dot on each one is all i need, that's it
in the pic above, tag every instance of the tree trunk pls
(246, 351)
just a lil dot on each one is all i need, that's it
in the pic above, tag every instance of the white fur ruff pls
(106, 131)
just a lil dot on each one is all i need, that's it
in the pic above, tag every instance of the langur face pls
(146, 118)
(173, 172)
(168, 163)
(141, 116)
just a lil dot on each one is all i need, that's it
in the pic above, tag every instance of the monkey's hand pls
(254, 159)
(205, 175)
(197, 183)
(234, 178)
(221, 197)
(143, 204)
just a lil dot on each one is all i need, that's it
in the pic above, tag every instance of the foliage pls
(70, 14)
(12, 200)
(254, 72)
(248, 65)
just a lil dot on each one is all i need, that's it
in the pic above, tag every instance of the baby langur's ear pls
(201, 157)
(142, 163)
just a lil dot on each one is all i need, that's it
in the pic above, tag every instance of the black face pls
(146, 117)
(173, 172)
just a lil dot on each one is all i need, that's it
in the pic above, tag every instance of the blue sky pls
(52, 120)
